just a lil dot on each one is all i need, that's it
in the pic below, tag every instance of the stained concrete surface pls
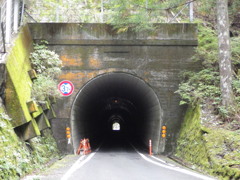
(91, 50)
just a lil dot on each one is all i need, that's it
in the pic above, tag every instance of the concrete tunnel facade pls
(128, 78)
(116, 97)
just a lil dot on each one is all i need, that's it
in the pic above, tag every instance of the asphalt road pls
(117, 159)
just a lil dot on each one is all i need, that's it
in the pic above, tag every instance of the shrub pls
(47, 65)
(44, 87)
(45, 61)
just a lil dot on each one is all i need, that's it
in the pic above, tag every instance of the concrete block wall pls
(16, 87)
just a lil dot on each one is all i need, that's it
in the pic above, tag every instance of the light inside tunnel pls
(118, 99)
(116, 126)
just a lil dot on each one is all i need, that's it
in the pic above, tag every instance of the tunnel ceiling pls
(115, 97)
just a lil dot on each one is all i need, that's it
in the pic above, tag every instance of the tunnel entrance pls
(116, 100)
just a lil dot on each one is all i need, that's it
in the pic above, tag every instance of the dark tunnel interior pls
(116, 103)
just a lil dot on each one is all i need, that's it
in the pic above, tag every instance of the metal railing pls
(11, 16)
(3, 26)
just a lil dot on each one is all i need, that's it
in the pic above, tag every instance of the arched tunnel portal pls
(120, 98)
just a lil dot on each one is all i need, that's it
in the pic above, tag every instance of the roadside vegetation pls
(25, 157)
(203, 87)
(47, 65)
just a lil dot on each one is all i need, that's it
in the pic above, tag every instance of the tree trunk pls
(225, 66)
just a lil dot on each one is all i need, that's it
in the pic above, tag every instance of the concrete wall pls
(28, 121)
(89, 50)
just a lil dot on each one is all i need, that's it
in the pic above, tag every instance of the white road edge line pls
(159, 160)
(169, 164)
(78, 164)
(173, 168)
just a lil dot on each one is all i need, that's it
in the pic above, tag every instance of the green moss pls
(13, 104)
(215, 151)
(190, 143)
(35, 127)
(45, 147)
(38, 112)
(19, 83)
(224, 152)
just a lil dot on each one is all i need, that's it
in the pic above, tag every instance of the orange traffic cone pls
(84, 145)
(80, 147)
(88, 146)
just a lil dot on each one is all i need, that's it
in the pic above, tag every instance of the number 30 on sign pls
(66, 88)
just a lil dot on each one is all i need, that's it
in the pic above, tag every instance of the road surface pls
(117, 159)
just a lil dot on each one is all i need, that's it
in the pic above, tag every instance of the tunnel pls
(116, 103)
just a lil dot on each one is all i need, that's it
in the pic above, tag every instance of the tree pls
(225, 66)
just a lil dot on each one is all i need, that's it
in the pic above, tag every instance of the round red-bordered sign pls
(66, 88)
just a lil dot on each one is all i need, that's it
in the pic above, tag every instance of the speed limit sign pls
(66, 88)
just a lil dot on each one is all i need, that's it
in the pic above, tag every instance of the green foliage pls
(233, 9)
(16, 159)
(44, 87)
(47, 64)
(45, 61)
(235, 48)
(21, 161)
(139, 15)
(204, 86)
(206, 11)
(66, 11)
(122, 14)
(205, 8)
(3, 115)
(126, 16)
(207, 50)
(236, 89)
(44, 148)
(236, 86)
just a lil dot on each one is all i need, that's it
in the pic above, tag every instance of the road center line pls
(173, 168)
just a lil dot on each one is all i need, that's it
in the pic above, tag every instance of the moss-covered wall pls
(22, 121)
(18, 90)
(216, 151)
(27, 122)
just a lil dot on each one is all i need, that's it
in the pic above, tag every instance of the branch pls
(30, 16)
